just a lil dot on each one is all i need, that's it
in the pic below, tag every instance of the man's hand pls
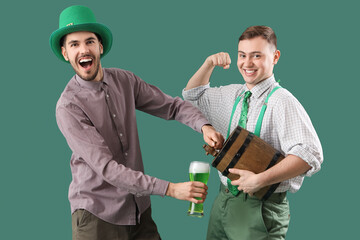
(202, 76)
(188, 191)
(289, 167)
(221, 59)
(248, 182)
(212, 137)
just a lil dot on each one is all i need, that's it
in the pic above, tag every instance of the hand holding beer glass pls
(198, 171)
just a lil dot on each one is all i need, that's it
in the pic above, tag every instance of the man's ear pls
(63, 51)
(101, 48)
(276, 56)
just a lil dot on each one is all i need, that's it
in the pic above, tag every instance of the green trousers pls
(248, 218)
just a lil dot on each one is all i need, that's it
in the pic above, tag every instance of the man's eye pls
(73, 45)
(257, 56)
(242, 56)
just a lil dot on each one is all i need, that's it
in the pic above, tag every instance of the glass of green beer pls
(198, 171)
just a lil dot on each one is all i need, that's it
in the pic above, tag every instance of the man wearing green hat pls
(109, 192)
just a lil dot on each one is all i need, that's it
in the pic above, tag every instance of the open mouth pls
(250, 72)
(86, 63)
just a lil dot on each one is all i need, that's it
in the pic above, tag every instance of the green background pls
(164, 42)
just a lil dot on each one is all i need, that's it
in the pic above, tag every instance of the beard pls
(86, 76)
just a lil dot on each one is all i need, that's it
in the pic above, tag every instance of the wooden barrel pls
(244, 150)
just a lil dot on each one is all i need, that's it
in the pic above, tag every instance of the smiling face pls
(83, 51)
(256, 60)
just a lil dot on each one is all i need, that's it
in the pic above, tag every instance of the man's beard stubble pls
(91, 77)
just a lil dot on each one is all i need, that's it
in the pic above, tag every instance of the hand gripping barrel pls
(244, 150)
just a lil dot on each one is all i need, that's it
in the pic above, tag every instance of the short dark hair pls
(62, 40)
(260, 31)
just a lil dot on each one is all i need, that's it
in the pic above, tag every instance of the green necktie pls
(242, 123)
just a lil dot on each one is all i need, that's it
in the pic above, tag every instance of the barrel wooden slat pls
(248, 152)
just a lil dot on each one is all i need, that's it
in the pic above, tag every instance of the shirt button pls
(107, 95)
(114, 115)
(121, 134)
(126, 154)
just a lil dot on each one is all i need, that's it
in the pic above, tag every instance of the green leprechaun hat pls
(79, 18)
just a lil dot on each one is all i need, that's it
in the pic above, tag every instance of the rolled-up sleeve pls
(297, 135)
(194, 94)
(206, 99)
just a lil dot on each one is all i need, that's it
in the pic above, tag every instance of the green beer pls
(198, 171)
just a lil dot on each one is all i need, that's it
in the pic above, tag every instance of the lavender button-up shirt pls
(99, 124)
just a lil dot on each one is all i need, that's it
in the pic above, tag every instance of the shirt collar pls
(261, 87)
(90, 84)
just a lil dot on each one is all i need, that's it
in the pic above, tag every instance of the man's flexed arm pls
(202, 76)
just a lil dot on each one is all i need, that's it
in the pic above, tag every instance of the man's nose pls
(84, 49)
(248, 62)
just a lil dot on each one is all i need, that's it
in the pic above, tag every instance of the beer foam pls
(199, 167)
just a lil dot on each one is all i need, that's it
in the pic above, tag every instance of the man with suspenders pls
(261, 106)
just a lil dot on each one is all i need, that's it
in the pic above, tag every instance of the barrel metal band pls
(270, 191)
(227, 146)
(274, 186)
(238, 154)
(274, 160)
